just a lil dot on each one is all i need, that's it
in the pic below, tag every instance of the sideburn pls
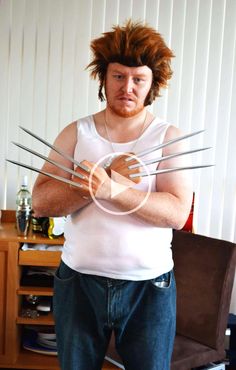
(151, 95)
(100, 90)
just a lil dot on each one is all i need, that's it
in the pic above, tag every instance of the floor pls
(110, 367)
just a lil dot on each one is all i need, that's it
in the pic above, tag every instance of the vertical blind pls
(44, 49)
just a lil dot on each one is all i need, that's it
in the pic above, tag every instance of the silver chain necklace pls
(110, 159)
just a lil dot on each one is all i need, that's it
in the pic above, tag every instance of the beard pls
(122, 112)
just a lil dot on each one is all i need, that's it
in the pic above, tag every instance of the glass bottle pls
(23, 208)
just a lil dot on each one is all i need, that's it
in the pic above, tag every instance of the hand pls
(92, 181)
(120, 165)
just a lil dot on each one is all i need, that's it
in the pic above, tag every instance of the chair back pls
(204, 272)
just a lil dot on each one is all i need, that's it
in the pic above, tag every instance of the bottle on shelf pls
(23, 208)
(40, 225)
(56, 227)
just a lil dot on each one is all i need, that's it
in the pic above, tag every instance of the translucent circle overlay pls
(98, 203)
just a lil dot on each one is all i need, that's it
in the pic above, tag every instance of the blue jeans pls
(88, 308)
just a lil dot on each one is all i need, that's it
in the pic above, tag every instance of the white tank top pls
(107, 243)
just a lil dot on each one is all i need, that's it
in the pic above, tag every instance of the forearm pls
(160, 209)
(54, 199)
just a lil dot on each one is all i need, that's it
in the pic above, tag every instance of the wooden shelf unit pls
(25, 290)
(40, 320)
(12, 261)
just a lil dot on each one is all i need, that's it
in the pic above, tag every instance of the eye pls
(138, 80)
(118, 77)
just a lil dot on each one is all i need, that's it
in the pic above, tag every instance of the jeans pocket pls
(64, 273)
(163, 281)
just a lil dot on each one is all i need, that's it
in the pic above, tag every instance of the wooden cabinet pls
(12, 261)
(9, 336)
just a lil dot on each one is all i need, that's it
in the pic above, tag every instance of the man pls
(116, 270)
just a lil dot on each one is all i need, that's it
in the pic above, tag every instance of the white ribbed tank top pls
(106, 244)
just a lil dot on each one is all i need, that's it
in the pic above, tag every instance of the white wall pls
(44, 48)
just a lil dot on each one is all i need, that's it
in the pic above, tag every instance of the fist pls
(121, 166)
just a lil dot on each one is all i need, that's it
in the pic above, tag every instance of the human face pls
(126, 88)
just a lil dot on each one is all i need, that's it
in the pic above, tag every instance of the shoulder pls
(67, 136)
(172, 132)
(163, 130)
(69, 129)
(73, 126)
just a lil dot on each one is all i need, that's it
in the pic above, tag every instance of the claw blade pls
(167, 143)
(56, 149)
(59, 178)
(167, 170)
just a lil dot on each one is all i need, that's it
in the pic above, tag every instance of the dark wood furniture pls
(12, 261)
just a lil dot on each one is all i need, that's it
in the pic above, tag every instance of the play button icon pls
(119, 183)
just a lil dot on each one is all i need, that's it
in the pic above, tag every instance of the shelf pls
(12, 356)
(39, 258)
(41, 320)
(8, 232)
(39, 361)
(40, 291)
(44, 362)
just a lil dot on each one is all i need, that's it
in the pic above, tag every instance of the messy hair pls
(132, 45)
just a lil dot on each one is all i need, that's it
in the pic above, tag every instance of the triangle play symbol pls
(124, 183)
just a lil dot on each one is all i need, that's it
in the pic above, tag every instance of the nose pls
(128, 85)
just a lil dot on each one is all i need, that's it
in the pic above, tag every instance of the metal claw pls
(85, 168)
(160, 159)
(59, 151)
(59, 178)
(56, 164)
(167, 143)
(166, 170)
(59, 165)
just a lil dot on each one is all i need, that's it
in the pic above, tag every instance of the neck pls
(121, 129)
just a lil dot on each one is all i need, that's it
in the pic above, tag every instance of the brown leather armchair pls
(204, 272)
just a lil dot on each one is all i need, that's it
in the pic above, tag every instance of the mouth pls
(126, 99)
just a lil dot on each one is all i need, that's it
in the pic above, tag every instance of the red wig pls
(133, 45)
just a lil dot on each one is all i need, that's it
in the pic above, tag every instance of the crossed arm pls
(167, 207)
